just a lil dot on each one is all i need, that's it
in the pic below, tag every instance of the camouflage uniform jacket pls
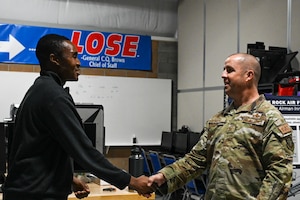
(247, 151)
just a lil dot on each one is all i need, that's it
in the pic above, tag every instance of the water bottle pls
(136, 160)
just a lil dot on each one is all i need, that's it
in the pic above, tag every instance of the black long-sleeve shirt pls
(48, 132)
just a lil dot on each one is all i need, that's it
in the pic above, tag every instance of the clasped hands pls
(146, 185)
(143, 185)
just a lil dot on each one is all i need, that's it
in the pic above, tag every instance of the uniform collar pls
(245, 108)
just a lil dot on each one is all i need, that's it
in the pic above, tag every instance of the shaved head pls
(249, 62)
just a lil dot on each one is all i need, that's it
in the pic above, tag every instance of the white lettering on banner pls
(90, 58)
(291, 102)
(94, 64)
(110, 65)
(105, 59)
(289, 108)
(278, 102)
(120, 60)
(285, 108)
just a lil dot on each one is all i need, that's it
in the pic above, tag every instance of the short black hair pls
(49, 44)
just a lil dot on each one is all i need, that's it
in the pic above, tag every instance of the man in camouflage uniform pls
(247, 148)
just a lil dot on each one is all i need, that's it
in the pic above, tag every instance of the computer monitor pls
(193, 140)
(279, 49)
(166, 141)
(257, 45)
(180, 143)
(94, 114)
(9, 127)
(93, 122)
(287, 62)
(272, 62)
(2, 153)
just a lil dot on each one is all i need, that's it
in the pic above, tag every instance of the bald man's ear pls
(54, 59)
(250, 75)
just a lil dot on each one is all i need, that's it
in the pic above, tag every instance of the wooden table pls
(97, 193)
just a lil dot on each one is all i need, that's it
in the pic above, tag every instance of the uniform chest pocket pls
(214, 125)
(255, 121)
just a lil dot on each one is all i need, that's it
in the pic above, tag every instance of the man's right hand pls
(140, 184)
(158, 179)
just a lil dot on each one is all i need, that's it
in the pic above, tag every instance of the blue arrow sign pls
(96, 49)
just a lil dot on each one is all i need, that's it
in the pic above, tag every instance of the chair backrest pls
(147, 170)
(155, 161)
(195, 186)
(168, 159)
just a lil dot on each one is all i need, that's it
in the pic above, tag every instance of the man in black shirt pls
(49, 132)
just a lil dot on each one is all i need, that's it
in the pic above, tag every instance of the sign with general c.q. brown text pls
(95, 49)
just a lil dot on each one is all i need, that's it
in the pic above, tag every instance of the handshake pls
(143, 185)
(146, 185)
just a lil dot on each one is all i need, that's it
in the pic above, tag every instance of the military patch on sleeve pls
(290, 143)
(285, 128)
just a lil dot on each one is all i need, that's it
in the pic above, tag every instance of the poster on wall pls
(289, 106)
(95, 49)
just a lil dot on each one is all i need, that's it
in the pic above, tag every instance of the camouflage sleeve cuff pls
(167, 172)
